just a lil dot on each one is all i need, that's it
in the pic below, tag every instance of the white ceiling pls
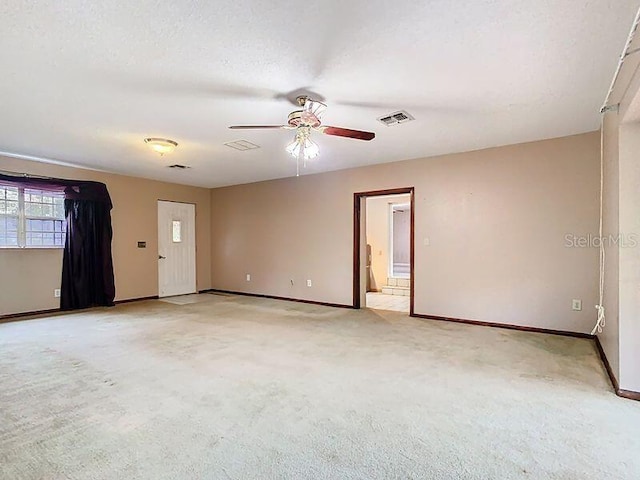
(85, 81)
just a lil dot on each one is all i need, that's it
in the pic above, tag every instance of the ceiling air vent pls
(396, 118)
(242, 145)
(179, 167)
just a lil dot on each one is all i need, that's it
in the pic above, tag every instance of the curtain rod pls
(27, 175)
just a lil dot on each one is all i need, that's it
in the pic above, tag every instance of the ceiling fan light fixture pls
(161, 145)
(303, 147)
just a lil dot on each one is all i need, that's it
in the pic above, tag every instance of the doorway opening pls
(176, 248)
(383, 251)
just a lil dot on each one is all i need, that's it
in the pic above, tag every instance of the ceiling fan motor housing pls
(300, 118)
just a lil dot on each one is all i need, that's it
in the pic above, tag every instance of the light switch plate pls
(576, 304)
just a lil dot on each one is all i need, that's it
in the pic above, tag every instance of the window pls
(31, 218)
(176, 231)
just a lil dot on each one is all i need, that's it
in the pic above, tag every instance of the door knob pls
(160, 257)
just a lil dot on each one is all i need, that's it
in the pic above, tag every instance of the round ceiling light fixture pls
(161, 145)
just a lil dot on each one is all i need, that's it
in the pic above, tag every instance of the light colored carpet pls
(244, 388)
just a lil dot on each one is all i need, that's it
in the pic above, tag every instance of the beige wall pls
(134, 218)
(33, 276)
(629, 328)
(496, 220)
(609, 338)
(378, 236)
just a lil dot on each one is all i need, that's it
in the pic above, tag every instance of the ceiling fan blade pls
(249, 127)
(346, 132)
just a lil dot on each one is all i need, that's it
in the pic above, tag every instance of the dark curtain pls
(87, 266)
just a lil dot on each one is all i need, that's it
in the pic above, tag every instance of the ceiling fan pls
(305, 121)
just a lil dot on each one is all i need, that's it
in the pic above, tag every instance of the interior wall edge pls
(629, 394)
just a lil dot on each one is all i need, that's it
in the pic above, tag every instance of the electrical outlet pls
(248, 277)
(308, 283)
(576, 304)
(56, 293)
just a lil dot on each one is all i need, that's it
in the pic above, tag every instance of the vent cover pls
(396, 118)
(242, 145)
(179, 167)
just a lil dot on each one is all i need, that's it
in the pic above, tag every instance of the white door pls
(176, 248)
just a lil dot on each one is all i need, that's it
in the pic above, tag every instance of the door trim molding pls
(357, 237)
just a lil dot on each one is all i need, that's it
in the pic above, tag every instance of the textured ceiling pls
(85, 81)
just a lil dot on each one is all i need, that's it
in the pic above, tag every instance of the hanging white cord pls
(606, 107)
(600, 322)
